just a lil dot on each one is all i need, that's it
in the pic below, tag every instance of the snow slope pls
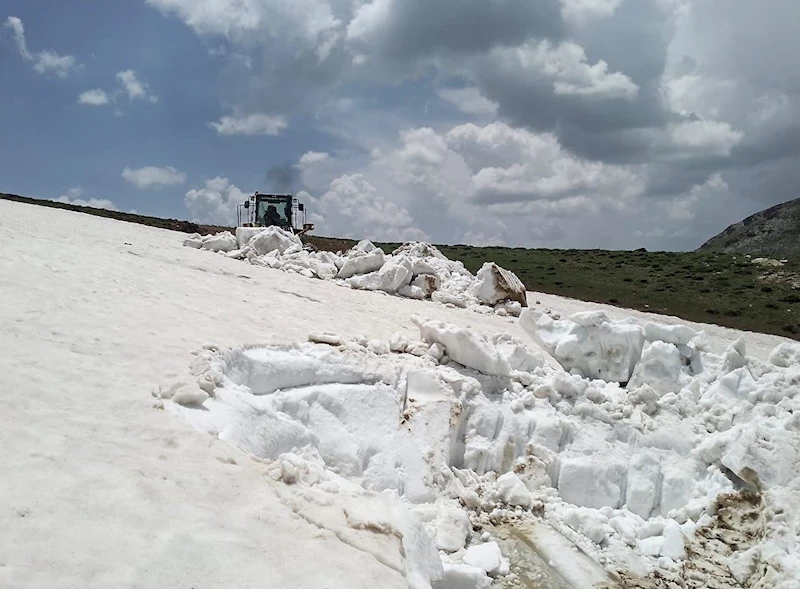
(101, 488)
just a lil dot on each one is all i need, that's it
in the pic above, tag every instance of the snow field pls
(108, 491)
(467, 432)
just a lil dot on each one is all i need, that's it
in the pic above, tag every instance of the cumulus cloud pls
(74, 196)
(215, 203)
(353, 208)
(149, 176)
(255, 124)
(135, 87)
(44, 62)
(95, 97)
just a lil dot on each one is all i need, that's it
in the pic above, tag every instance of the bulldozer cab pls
(274, 210)
(279, 210)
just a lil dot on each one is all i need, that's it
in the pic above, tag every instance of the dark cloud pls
(410, 29)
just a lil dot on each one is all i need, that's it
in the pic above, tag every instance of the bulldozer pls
(280, 210)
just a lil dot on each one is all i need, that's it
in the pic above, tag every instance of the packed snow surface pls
(392, 442)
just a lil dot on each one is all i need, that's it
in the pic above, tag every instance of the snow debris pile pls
(642, 450)
(415, 270)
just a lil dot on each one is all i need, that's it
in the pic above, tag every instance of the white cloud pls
(239, 20)
(135, 88)
(468, 100)
(352, 207)
(707, 137)
(153, 176)
(74, 196)
(255, 124)
(94, 97)
(44, 62)
(512, 165)
(215, 203)
(567, 65)
(313, 157)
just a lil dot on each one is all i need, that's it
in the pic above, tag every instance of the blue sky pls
(555, 123)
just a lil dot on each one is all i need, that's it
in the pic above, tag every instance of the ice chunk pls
(494, 284)
(452, 529)
(463, 576)
(486, 557)
(411, 292)
(588, 342)
(651, 546)
(512, 490)
(786, 355)
(362, 264)
(468, 348)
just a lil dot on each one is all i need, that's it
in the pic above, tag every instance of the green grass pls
(707, 287)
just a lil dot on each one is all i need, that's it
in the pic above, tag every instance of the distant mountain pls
(773, 232)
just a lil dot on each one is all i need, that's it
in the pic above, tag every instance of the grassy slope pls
(708, 287)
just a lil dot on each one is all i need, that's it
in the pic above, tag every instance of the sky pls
(613, 124)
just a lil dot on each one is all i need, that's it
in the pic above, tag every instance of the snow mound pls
(415, 270)
(460, 432)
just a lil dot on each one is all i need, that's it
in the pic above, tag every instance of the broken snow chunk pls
(588, 482)
(195, 241)
(325, 337)
(399, 343)
(463, 576)
(486, 556)
(494, 284)
(189, 395)
(452, 529)
(362, 264)
(651, 546)
(411, 292)
(427, 283)
(673, 541)
(786, 355)
(588, 342)
(679, 335)
(263, 240)
(468, 348)
(512, 490)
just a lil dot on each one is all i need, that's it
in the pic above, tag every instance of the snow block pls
(513, 491)
(588, 342)
(785, 355)
(661, 367)
(591, 482)
(363, 263)
(266, 239)
(680, 335)
(221, 242)
(452, 529)
(486, 557)
(463, 576)
(393, 275)
(494, 284)
(467, 348)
